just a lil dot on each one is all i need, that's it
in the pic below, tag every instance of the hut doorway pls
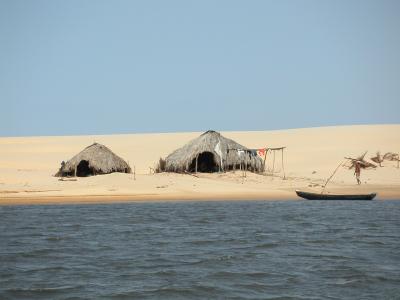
(205, 163)
(83, 169)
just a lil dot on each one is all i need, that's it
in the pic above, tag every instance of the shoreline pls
(173, 197)
(127, 198)
(28, 165)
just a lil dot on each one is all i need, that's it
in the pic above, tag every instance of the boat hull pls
(316, 196)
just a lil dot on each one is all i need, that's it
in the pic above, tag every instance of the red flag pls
(261, 152)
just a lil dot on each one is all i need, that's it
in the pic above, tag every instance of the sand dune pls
(27, 166)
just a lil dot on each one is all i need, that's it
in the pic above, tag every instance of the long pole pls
(273, 165)
(331, 177)
(283, 167)
(265, 158)
(245, 161)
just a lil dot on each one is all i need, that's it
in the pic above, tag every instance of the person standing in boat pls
(357, 172)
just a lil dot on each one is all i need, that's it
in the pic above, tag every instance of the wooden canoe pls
(319, 196)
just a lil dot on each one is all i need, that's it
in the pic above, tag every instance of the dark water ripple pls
(208, 250)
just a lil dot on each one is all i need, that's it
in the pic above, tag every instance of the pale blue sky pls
(100, 67)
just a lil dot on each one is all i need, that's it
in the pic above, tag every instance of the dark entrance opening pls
(83, 169)
(205, 163)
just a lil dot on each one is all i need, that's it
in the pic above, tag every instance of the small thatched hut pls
(93, 160)
(201, 155)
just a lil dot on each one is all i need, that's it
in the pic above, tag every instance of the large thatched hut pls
(212, 152)
(93, 160)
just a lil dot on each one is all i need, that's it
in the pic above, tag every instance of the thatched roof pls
(94, 159)
(203, 148)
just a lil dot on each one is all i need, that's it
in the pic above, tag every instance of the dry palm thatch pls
(391, 156)
(201, 155)
(378, 159)
(363, 164)
(93, 160)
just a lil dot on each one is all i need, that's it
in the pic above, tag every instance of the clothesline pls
(266, 148)
(263, 153)
(254, 152)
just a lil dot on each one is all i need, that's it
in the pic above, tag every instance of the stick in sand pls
(331, 176)
(283, 167)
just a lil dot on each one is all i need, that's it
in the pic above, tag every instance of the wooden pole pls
(273, 164)
(226, 162)
(283, 166)
(245, 161)
(195, 170)
(265, 158)
(331, 177)
(134, 172)
(241, 166)
(234, 166)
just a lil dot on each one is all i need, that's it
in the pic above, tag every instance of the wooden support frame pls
(273, 161)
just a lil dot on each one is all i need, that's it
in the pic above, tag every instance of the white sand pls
(28, 163)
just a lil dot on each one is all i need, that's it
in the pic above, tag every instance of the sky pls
(103, 67)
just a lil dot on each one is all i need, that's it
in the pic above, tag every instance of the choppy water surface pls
(201, 250)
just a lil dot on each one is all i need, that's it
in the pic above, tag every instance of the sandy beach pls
(27, 166)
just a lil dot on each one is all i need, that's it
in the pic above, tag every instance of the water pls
(201, 250)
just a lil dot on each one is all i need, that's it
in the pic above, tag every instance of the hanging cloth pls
(240, 152)
(218, 150)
